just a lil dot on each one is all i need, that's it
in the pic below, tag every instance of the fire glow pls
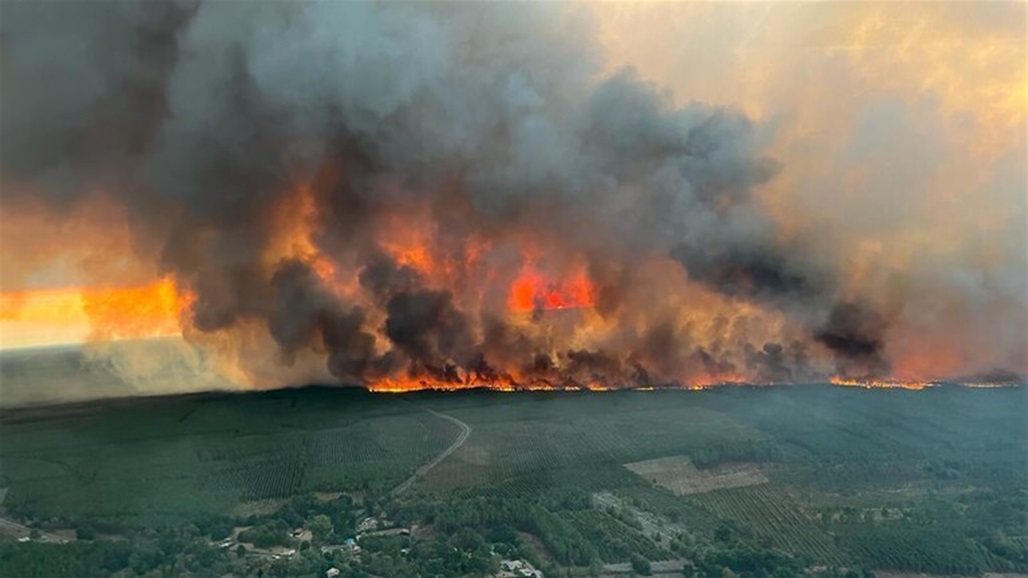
(80, 314)
(886, 383)
(424, 207)
(530, 292)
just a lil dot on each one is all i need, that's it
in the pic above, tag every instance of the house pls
(367, 524)
(349, 545)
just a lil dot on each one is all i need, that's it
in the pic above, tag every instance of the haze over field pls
(517, 195)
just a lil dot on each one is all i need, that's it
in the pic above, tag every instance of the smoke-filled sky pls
(521, 195)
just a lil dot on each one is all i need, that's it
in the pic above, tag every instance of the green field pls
(933, 481)
(167, 460)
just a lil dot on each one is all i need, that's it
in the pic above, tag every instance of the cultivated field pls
(682, 477)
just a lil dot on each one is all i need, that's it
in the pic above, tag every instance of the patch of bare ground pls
(68, 534)
(259, 507)
(661, 568)
(237, 530)
(682, 477)
(423, 533)
(536, 545)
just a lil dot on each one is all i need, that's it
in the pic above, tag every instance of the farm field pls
(679, 475)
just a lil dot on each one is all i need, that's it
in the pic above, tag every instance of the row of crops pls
(926, 549)
(771, 514)
(614, 541)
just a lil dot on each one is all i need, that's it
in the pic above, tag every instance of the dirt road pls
(424, 469)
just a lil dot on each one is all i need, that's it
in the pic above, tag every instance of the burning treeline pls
(426, 196)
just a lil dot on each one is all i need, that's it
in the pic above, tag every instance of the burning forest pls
(407, 196)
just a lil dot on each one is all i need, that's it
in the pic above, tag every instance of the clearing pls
(682, 477)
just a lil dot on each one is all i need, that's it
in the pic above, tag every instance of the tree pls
(321, 526)
(640, 565)
(723, 534)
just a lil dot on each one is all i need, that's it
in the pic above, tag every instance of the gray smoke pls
(200, 117)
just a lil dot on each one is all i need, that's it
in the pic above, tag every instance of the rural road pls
(12, 528)
(465, 431)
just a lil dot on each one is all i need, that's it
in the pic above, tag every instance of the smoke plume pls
(448, 195)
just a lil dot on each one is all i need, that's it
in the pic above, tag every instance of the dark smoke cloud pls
(384, 278)
(855, 334)
(755, 272)
(85, 88)
(426, 326)
(305, 315)
(202, 117)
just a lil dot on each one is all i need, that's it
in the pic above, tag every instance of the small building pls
(367, 524)
(332, 572)
(518, 569)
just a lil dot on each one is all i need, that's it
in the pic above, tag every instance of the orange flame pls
(294, 237)
(530, 292)
(507, 384)
(76, 314)
(888, 383)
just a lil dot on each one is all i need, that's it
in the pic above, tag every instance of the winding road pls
(424, 469)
